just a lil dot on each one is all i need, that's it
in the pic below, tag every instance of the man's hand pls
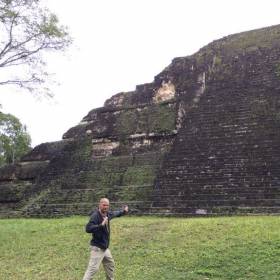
(105, 221)
(125, 209)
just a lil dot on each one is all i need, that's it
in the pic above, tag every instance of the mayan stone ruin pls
(201, 139)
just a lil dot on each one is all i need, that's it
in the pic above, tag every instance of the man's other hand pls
(105, 221)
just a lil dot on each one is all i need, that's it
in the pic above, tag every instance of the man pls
(99, 226)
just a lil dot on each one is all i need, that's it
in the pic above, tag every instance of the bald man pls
(99, 226)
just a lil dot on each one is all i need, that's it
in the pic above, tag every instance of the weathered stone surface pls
(45, 151)
(201, 139)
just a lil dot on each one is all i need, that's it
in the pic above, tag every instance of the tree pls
(27, 31)
(14, 139)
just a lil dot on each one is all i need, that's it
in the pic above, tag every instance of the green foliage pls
(144, 248)
(14, 139)
(27, 31)
(50, 28)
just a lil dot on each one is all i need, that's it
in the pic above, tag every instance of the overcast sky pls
(119, 44)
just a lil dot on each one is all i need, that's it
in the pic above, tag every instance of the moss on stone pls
(139, 175)
(248, 41)
(134, 193)
(266, 110)
(114, 163)
(106, 179)
(13, 192)
(155, 118)
(126, 123)
(277, 70)
(80, 152)
(161, 118)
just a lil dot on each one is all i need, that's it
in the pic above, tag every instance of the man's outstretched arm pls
(119, 213)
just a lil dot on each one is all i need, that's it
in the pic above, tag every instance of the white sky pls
(122, 43)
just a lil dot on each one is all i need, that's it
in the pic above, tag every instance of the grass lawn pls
(144, 248)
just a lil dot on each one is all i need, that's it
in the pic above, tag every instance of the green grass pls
(144, 248)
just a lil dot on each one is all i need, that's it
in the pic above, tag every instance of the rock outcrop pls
(201, 139)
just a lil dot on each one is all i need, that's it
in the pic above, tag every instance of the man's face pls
(104, 206)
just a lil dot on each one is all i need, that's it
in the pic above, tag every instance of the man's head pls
(104, 205)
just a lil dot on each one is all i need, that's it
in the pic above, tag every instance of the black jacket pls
(101, 234)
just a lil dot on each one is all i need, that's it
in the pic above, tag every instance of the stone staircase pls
(225, 156)
(126, 180)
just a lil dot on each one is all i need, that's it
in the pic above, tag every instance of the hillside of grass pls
(144, 248)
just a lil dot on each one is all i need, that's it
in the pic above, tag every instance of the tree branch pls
(27, 30)
(22, 82)
(20, 56)
(6, 48)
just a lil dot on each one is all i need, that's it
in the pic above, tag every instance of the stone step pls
(174, 192)
(208, 174)
(219, 202)
(220, 210)
(178, 204)
(186, 160)
(77, 208)
(88, 195)
(195, 198)
(220, 183)
(213, 196)
(197, 188)
(141, 207)
(199, 183)
(236, 127)
(179, 190)
(175, 158)
(10, 214)
(236, 159)
(4, 207)
(217, 167)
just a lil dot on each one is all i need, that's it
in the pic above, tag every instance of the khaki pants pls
(97, 256)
